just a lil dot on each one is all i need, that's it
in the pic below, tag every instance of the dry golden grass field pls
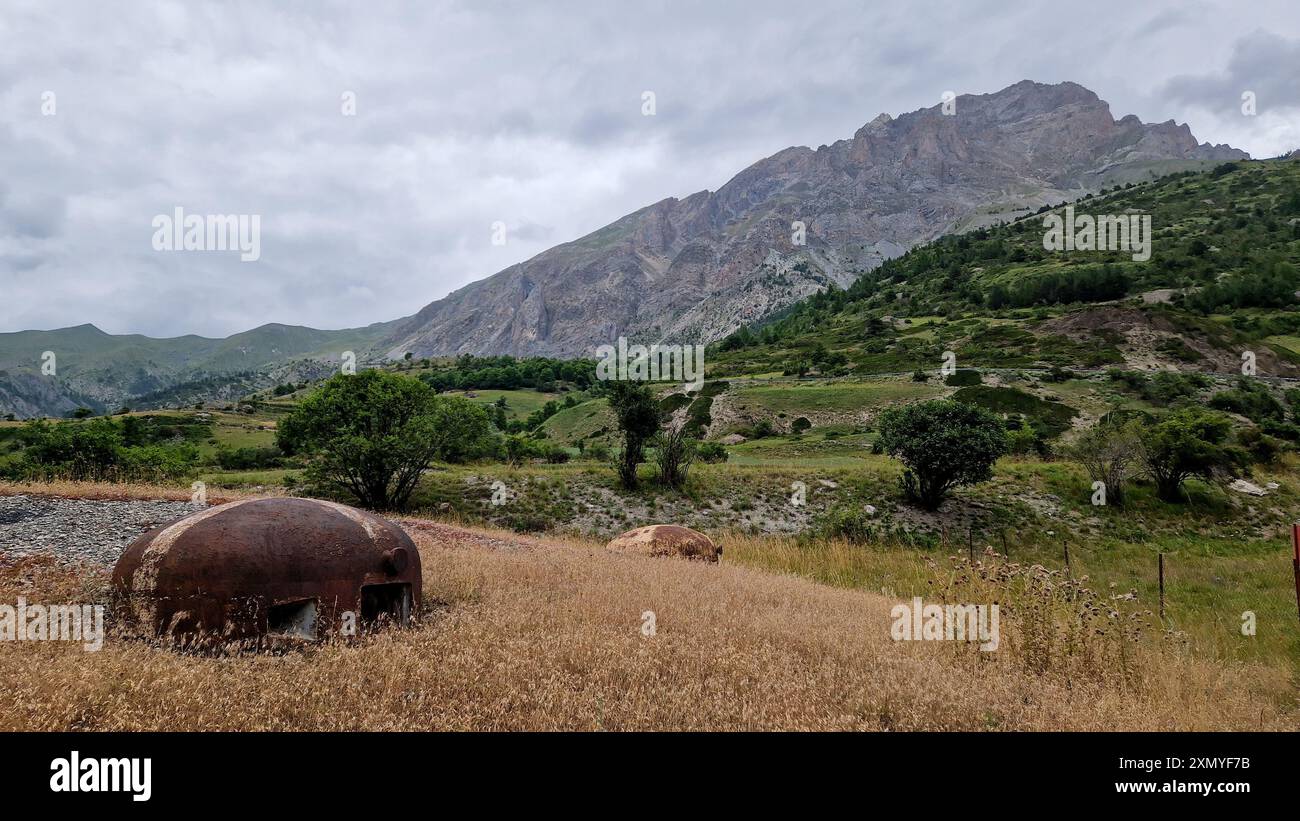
(537, 634)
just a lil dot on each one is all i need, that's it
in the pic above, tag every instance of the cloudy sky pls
(527, 114)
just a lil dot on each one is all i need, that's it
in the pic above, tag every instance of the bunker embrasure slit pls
(390, 602)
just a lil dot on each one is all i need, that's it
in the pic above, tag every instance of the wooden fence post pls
(1295, 563)
(1162, 587)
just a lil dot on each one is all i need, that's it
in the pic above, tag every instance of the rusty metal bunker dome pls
(300, 568)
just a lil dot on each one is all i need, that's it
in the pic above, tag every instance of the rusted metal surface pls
(297, 568)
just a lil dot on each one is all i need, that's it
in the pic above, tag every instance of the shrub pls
(712, 452)
(1164, 388)
(1250, 399)
(519, 449)
(1263, 449)
(1059, 374)
(520, 520)
(674, 452)
(942, 445)
(853, 524)
(963, 377)
(537, 417)
(97, 450)
(556, 455)
(1109, 451)
(1022, 438)
(157, 463)
(1167, 387)
(249, 458)
(637, 413)
(372, 434)
(1292, 399)
(1283, 430)
(1190, 442)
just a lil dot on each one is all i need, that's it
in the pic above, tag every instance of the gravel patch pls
(79, 530)
(96, 531)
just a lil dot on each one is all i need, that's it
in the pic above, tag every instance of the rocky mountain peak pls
(695, 269)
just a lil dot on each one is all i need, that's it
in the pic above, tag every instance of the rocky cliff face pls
(696, 269)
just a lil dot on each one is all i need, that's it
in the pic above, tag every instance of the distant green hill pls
(104, 371)
(1223, 271)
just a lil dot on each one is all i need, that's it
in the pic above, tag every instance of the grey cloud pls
(31, 214)
(533, 231)
(21, 263)
(470, 113)
(1169, 18)
(1263, 62)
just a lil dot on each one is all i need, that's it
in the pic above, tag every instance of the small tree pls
(372, 434)
(711, 452)
(519, 449)
(963, 377)
(1189, 442)
(637, 413)
(1109, 452)
(555, 454)
(674, 452)
(943, 445)
(1021, 436)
